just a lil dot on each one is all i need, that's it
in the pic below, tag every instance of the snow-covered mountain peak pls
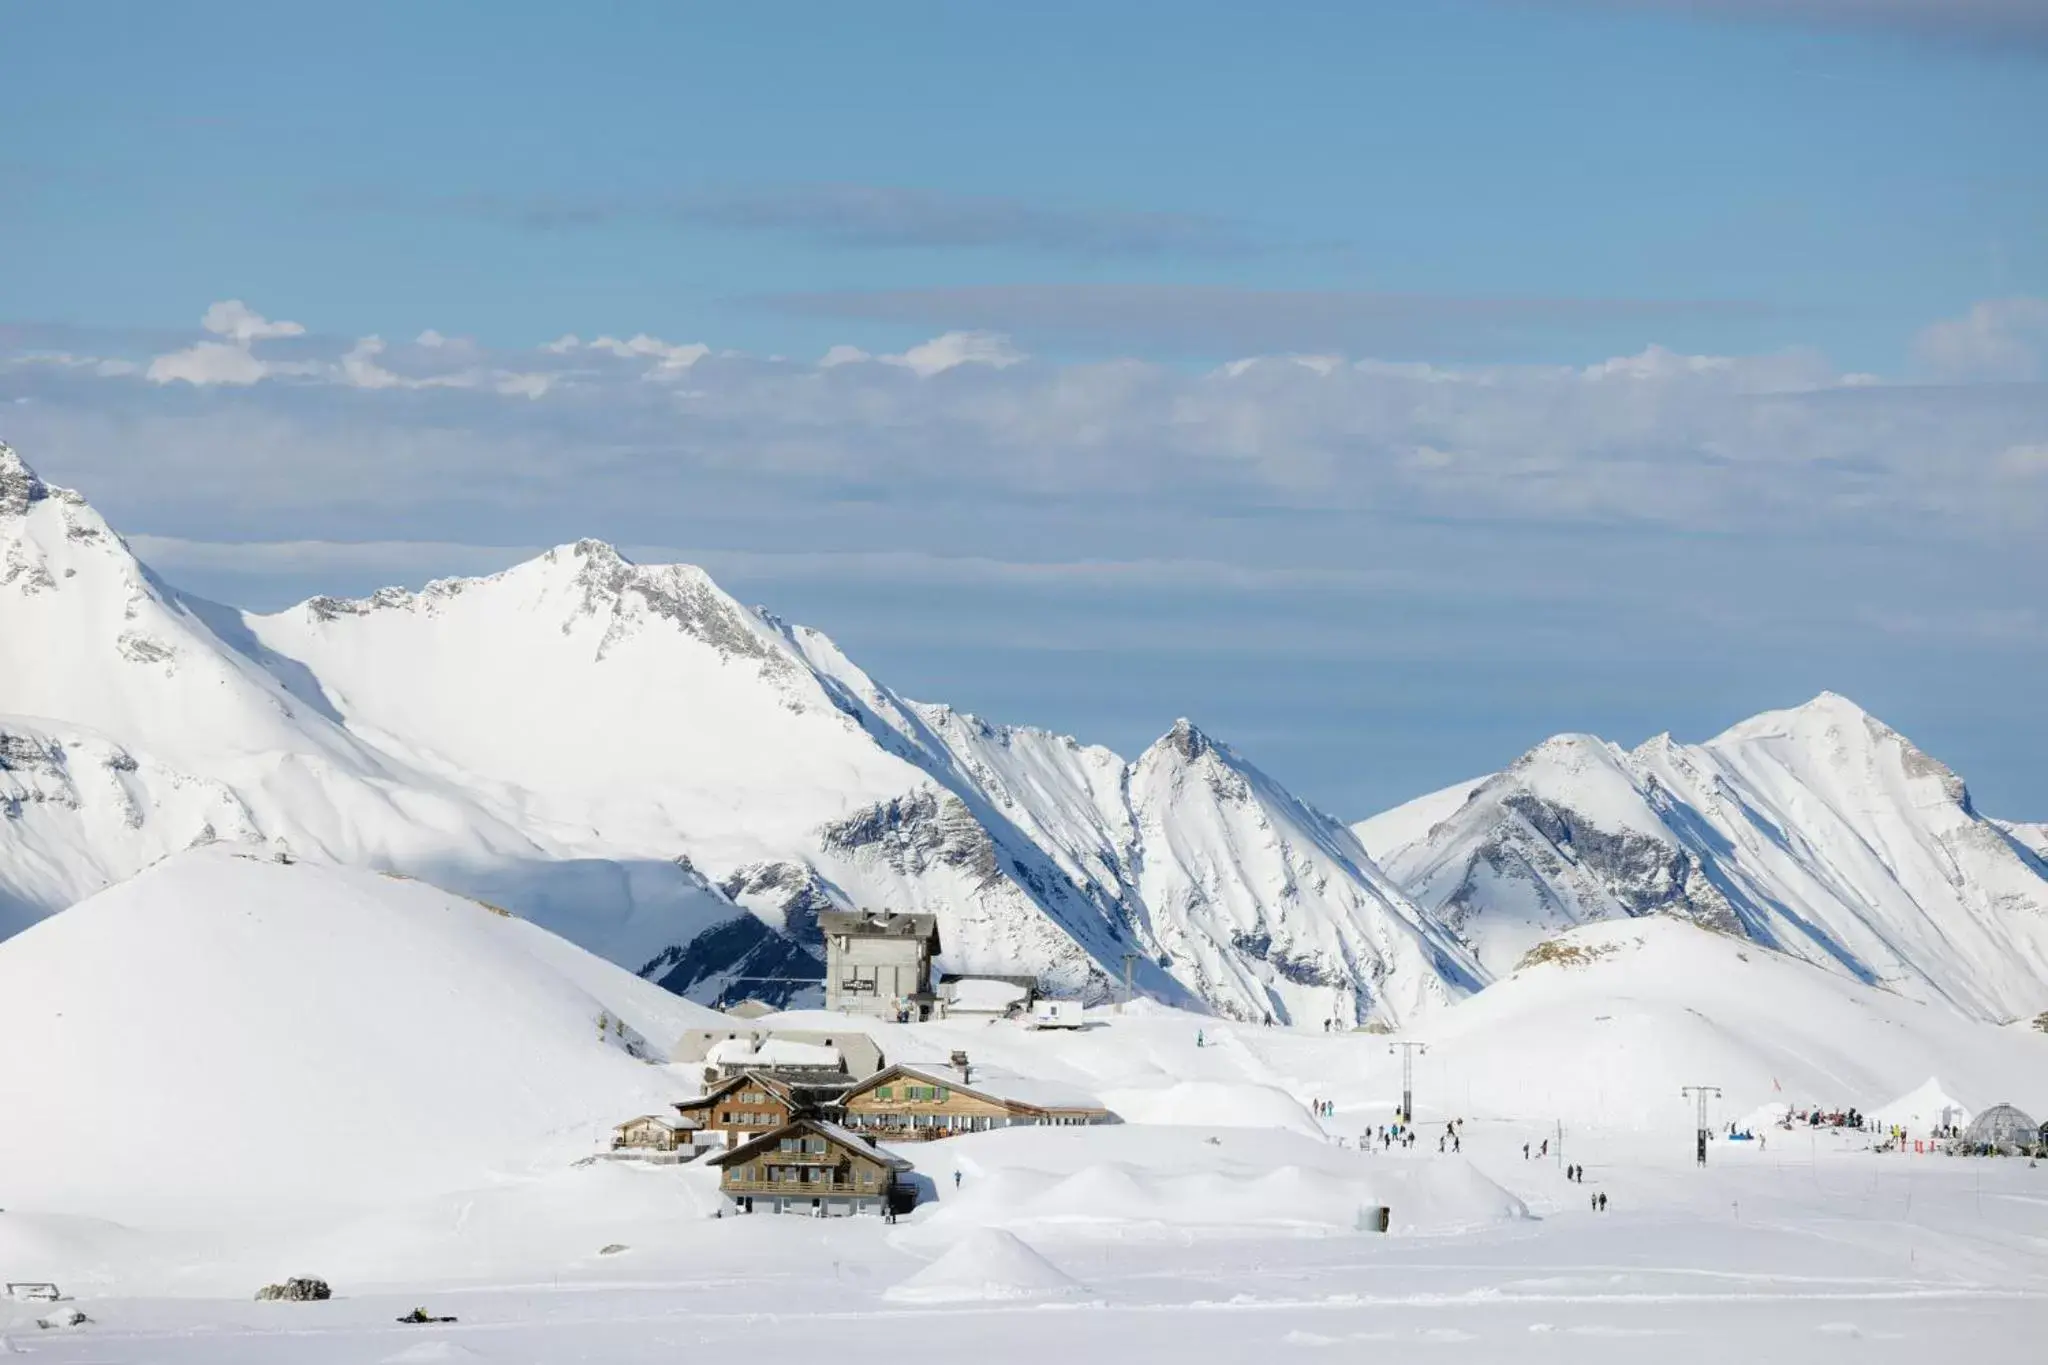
(1570, 753)
(19, 485)
(1187, 740)
(1832, 734)
(1817, 830)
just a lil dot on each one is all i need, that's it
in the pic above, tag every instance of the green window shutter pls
(945, 1093)
(885, 1092)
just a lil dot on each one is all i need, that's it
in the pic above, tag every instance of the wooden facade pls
(812, 1167)
(904, 1103)
(743, 1108)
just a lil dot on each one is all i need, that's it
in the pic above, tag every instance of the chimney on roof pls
(960, 1065)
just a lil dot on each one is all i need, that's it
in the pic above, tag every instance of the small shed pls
(2002, 1129)
(653, 1132)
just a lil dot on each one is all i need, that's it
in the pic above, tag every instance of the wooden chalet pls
(754, 1102)
(813, 1167)
(653, 1133)
(743, 1107)
(904, 1103)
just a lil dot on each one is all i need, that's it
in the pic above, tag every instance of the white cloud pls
(666, 355)
(235, 320)
(233, 361)
(208, 362)
(1658, 436)
(361, 368)
(955, 349)
(1997, 339)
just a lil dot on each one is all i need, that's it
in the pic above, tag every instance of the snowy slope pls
(2031, 836)
(1604, 1026)
(1387, 833)
(137, 721)
(1224, 881)
(224, 1030)
(1818, 831)
(681, 784)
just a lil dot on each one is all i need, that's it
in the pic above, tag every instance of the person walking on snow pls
(956, 1177)
(1525, 1151)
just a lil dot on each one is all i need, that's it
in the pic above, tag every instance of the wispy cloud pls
(884, 217)
(1651, 438)
(1997, 339)
(1217, 319)
(2002, 24)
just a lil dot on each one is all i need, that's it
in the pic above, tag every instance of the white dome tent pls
(2002, 1129)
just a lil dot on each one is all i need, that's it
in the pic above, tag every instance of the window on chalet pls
(885, 1092)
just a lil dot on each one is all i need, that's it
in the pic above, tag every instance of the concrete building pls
(879, 964)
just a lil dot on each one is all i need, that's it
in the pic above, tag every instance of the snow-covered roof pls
(775, 1052)
(984, 993)
(845, 1137)
(861, 923)
(669, 1121)
(1004, 1086)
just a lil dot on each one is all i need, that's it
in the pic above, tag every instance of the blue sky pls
(1664, 362)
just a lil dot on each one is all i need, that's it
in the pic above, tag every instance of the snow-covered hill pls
(1603, 1023)
(625, 754)
(1818, 831)
(225, 1029)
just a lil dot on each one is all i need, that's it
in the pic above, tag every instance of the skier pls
(1603, 1201)
(956, 1177)
(1198, 1038)
(1546, 1148)
(1440, 1146)
(1525, 1151)
(1457, 1143)
(1594, 1202)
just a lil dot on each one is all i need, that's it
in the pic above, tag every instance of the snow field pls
(228, 1034)
(987, 1264)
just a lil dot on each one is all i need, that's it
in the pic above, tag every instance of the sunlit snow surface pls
(402, 1112)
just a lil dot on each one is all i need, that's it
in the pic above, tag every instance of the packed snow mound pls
(1598, 1024)
(988, 1264)
(1818, 831)
(1224, 1104)
(1923, 1110)
(228, 1031)
(1136, 1182)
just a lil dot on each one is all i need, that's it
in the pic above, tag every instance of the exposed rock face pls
(742, 958)
(19, 485)
(914, 832)
(789, 896)
(296, 1290)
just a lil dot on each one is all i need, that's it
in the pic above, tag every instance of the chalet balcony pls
(794, 1189)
